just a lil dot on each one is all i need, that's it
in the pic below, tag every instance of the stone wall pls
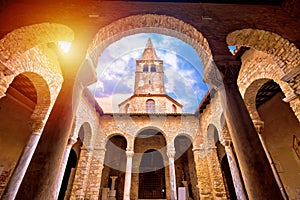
(280, 124)
(137, 104)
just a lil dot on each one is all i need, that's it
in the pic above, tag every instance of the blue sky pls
(116, 69)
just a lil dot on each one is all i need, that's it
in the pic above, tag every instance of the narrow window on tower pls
(145, 68)
(153, 68)
(150, 106)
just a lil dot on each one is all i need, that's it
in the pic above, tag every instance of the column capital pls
(88, 148)
(222, 72)
(129, 154)
(226, 142)
(259, 125)
(198, 149)
(99, 149)
(71, 141)
(171, 153)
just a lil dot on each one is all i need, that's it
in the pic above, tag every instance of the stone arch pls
(284, 53)
(212, 135)
(250, 96)
(86, 134)
(148, 139)
(185, 167)
(224, 134)
(116, 134)
(151, 128)
(114, 163)
(259, 65)
(43, 33)
(186, 135)
(19, 51)
(147, 23)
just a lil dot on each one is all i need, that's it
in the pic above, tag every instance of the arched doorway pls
(185, 167)
(15, 115)
(152, 184)
(113, 173)
(151, 173)
(280, 127)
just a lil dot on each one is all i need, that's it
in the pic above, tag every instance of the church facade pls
(241, 143)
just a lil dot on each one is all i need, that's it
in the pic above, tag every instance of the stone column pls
(257, 174)
(95, 174)
(113, 182)
(235, 172)
(259, 126)
(23, 163)
(112, 192)
(63, 166)
(171, 154)
(128, 172)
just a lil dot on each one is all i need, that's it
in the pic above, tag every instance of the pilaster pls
(218, 187)
(82, 173)
(203, 175)
(95, 173)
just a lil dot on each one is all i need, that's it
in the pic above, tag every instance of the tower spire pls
(149, 51)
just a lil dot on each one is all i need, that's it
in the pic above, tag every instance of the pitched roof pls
(149, 51)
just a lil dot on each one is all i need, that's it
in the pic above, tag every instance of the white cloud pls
(116, 69)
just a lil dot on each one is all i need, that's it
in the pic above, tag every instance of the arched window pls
(127, 108)
(174, 109)
(146, 68)
(150, 106)
(153, 68)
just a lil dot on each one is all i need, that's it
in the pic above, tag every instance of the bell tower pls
(149, 91)
(149, 74)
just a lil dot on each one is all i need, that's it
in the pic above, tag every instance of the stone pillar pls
(259, 126)
(202, 171)
(128, 172)
(257, 174)
(235, 172)
(112, 192)
(82, 173)
(215, 173)
(63, 166)
(23, 163)
(95, 174)
(171, 154)
(113, 182)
